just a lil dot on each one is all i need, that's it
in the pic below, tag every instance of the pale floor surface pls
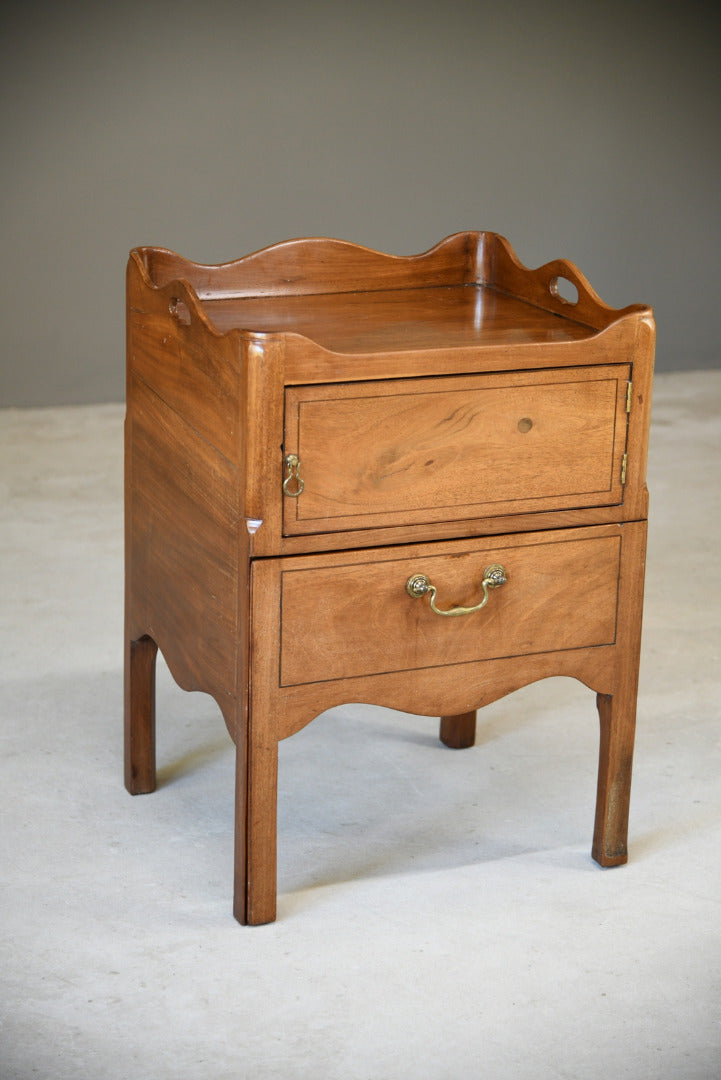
(440, 917)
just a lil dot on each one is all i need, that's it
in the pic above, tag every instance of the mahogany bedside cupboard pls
(416, 482)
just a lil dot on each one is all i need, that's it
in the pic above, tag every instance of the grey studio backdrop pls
(585, 130)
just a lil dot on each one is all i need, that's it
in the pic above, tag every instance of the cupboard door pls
(410, 451)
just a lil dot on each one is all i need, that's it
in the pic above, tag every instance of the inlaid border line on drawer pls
(302, 516)
(311, 602)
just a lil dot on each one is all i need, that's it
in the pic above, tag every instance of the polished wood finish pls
(458, 732)
(450, 410)
(140, 656)
(548, 441)
(414, 678)
(561, 594)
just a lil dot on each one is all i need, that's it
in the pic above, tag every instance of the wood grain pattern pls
(184, 529)
(414, 451)
(308, 362)
(454, 688)
(505, 271)
(264, 544)
(560, 594)
(460, 684)
(317, 265)
(391, 320)
(188, 364)
(140, 657)
(617, 710)
(437, 692)
(451, 409)
(458, 732)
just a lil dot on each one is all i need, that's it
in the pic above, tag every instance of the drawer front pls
(350, 615)
(410, 451)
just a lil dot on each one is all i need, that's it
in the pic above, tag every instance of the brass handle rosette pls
(419, 585)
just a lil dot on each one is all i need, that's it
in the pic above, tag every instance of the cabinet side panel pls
(193, 369)
(183, 567)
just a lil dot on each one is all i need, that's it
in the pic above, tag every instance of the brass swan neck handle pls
(419, 585)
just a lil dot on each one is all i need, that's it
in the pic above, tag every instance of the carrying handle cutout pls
(563, 289)
(179, 310)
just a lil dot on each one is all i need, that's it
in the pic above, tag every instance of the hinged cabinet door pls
(409, 451)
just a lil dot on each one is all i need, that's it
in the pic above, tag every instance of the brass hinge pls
(629, 392)
(624, 465)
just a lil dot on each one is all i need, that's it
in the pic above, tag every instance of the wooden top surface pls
(389, 320)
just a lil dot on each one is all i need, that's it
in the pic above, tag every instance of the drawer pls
(411, 451)
(350, 614)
